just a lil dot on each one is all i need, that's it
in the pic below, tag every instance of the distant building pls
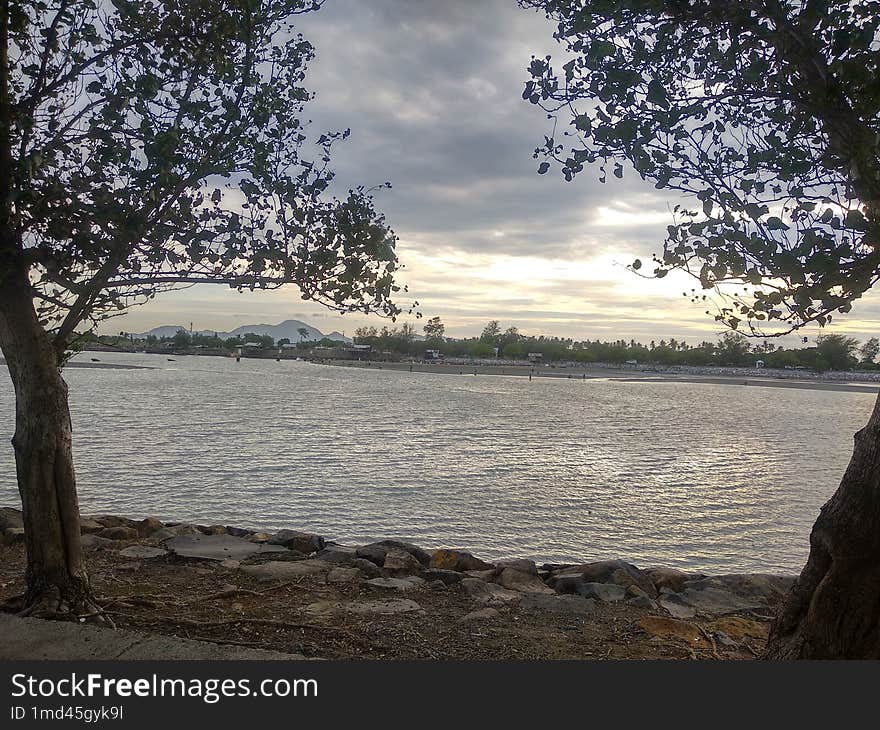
(536, 356)
(433, 355)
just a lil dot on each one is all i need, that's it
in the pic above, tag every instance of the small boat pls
(94, 359)
(171, 359)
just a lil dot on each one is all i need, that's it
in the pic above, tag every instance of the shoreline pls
(297, 592)
(620, 375)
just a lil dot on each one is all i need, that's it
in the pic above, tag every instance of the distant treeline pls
(830, 352)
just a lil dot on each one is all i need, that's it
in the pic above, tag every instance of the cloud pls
(432, 93)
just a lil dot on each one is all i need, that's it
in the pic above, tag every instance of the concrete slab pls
(218, 547)
(30, 638)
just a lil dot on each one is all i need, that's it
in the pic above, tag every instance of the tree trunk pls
(833, 609)
(57, 582)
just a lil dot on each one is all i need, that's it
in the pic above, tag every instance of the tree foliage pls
(763, 114)
(152, 144)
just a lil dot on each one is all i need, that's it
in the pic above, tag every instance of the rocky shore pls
(296, 591)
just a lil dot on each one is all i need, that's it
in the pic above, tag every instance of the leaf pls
(543, 167)
(775, 223)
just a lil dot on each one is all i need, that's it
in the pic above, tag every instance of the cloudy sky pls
(431, 90)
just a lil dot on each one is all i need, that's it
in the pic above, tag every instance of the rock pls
(93, 542)
(386, 607)
(740, 628)
(383, 607)
(575, 605)
(673, 628)
(217, 547)
(283, 570)
(114, 521)
(238, 531)
(516, 580)
(304, 542)
(457, 560)
(165, 533)
(669, 578)
(482, 614)
(259, 537)
(722, 595)
(9, 518)
(142, 552)
(489, 593)
(118, 533)
(760, 586)
(437, 585)
(89, 527)
(13, 535)
(641, 602)
(398, 562)
(724, 640)
(148, 526)
(677, 606)
(633, 591)
(182, 529)
(230, 564)
(213, 530)
(375, 551)
(520, 564)
(399, 584)
(448, 577)
(344, 575)
(486, 575)
(617, 572)
(605, 592)
(348, 557)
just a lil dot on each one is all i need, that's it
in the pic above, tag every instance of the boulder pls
(182, 529)
(448, 577)
(382, 607)
(285, 570)
(148, 526)
(89, 527)
(605, 592)
(119, 532)
(259, 537)
(303, 542)
(344, 575)
(487, 575)
(575, 605)
(617, 572)
(673, 628)
(738, 627)
(398, 584)
(214, 530)
(516, 580)
(238, 531)
(398, 562)
(349, 560)
(217, 547)
(482, 614)
(10, 517)
(375, 551)
(457, 560)
(115, 521)
(165, 533)
(488, 593)
(667, 578)
(726, 594)
(677, 606)
(93, 542)
(520, 564)
(143, 552)
(641, 602)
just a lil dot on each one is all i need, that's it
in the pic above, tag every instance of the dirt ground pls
(202, 600)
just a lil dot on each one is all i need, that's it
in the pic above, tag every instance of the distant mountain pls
(288, 329)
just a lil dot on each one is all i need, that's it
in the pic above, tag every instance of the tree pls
(733, 349)
(491, 332)
(869, 350)
(143, 146)
(182, 338)
(765, 114)
(303, 333)
(837, 351)
(434, 329)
